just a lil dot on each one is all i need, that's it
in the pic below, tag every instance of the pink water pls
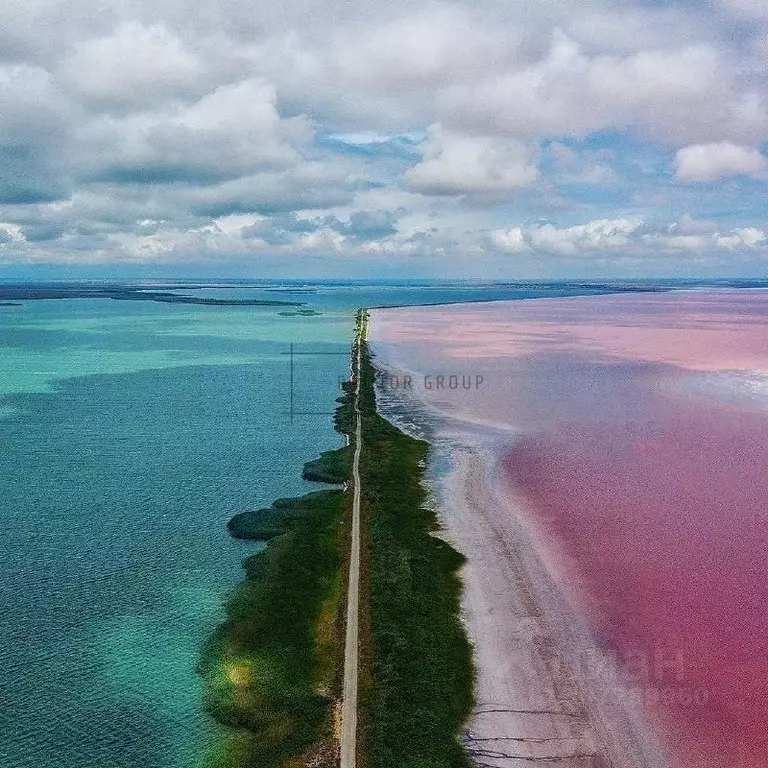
(641, 455)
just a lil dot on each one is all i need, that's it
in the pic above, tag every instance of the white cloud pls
(686, 94)
(424, 49)
(624, 237)
(596, 235)
(510, 240)
(687, 225)
(710, 162)
(230, 132)
(137, 66)
(748, 236)
(456, 164)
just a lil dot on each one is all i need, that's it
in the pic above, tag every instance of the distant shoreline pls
(15, 293)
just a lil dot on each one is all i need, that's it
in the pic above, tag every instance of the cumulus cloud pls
(511, 240)
(625, 237)
(711, 162)
(686, 93)
(230, 132)
(145, 132)
(135, 66)
(751, 237)
(428, 48)
(458, 164)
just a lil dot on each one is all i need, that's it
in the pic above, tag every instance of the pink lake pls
(638, 444)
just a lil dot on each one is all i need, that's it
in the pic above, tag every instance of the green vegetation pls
(419, 678)
(271, 668)
(265, 675)
(332, 467)
(282, 516)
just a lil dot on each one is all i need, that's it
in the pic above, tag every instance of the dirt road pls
(349, 701)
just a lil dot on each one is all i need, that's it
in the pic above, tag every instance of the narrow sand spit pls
(547, 694)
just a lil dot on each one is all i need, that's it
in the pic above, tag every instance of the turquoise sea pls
(130, 432)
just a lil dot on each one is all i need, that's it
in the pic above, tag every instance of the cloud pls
(309, 186)
(289, 229)
(687, 225)
(230, 132)
(711, 162)
(684, 94)
(136, 66)
(382, 132)
(35, 123)
(624, 237)
(455, 164)
(511, 240)
(754, 10)
(751, 237)
(425, 49)
(279, 230)
(367, 225)
(585, 168)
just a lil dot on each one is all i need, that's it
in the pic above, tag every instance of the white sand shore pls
(545, 692)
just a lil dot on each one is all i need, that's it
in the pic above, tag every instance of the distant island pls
(300, 313)
(27, 292)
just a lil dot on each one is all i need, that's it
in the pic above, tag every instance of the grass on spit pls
(263, 664)
(418, 691)
(271, 668)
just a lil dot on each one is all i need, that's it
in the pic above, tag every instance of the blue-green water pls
(130, 432)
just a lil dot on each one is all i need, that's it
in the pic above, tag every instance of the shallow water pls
(130, 434)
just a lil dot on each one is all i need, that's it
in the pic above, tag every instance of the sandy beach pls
(605, 484)
(546, 693)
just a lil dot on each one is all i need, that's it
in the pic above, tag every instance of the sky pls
(491, 139)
